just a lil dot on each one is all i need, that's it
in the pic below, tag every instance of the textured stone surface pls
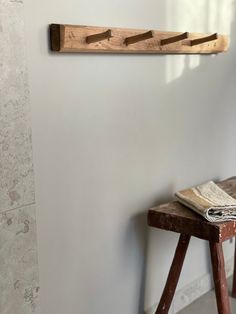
(16, 169)
(18, 255)
(18, 259)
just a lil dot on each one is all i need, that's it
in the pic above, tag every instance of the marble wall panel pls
(19, 282)
(16, 168)
(18, 262)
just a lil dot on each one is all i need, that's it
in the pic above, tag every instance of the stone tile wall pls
(19, 283)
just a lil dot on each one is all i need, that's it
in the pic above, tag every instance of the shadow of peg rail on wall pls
(91, 39)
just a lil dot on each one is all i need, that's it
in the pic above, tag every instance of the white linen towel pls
(210, 201)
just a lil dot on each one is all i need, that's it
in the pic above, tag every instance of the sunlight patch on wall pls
(175, 66)
(199, 16)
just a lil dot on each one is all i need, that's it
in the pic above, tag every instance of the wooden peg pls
(202, 40)
(173, 39)
(98, 37)
(137, 38)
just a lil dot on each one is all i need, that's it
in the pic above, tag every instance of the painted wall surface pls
(116, 134)
(19, 284)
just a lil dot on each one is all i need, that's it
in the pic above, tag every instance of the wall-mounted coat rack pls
(76, 38)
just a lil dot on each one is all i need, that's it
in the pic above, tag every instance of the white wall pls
(115, 134)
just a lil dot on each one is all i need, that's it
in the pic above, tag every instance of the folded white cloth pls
(210, 201)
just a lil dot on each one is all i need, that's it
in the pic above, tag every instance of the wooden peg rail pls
(76, 38)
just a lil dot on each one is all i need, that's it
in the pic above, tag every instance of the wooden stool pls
(178, 218)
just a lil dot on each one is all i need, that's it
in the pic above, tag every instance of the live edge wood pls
(73, 38)
(175, 217)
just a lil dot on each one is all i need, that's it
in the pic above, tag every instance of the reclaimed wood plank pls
(73, 38)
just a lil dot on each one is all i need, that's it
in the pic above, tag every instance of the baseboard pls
(197, 288)
(193, 291)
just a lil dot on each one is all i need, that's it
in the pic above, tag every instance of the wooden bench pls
(175, 217)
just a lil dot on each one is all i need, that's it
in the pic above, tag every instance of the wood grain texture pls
(72, 38)
(176, 217)
(55, 37)
(218, 268)
(174, 274)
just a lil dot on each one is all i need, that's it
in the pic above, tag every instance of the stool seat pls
(176, 217)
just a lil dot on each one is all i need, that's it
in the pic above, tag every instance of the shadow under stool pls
(176, 217)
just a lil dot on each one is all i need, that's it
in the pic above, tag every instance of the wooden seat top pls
(176, 217)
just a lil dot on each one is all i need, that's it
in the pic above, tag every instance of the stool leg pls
(218, 268)
(174, 273)
(234, 277)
